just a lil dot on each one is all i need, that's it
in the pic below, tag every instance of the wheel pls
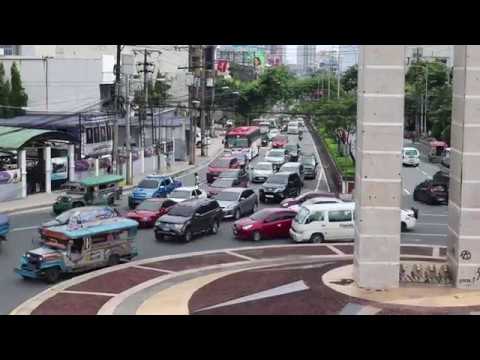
(113, 260)
(237, 214)
(188, 236)
(214, 228)
(404, 227)
(52, 275)
(316, 238)
(257, 236)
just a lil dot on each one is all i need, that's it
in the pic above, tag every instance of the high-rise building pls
(306, 59)
(348, 56)
(276, 54)
(442, 53)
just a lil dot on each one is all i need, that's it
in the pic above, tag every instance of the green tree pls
(349, 79)
(17, 97)
(159, 93)
(4, 93)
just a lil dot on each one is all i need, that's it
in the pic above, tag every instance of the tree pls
(349, 79)
(4, 93)
(158, 94)
(17, 97)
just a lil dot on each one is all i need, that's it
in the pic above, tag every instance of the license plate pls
(269, 196)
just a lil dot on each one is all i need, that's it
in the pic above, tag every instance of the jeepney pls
(96, 190)
(79, 247)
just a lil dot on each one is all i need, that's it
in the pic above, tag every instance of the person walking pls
(197, 181)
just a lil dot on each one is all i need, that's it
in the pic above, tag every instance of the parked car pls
(220, 165)
(81, 215)
(293, 152)
(310, 163)
(280, 186)
(148, 212)
(190, 218)
(4, 227)
(239, 175)
(277, 157)
(442, 177)
(299, 200)
(279, 141)
(222, 184)
(261, 171)
(187, 193)
(410, 156)
(270, 223)
(237, 202)
(152, 186)
(431, 193)
(293, 167)
(316, 201)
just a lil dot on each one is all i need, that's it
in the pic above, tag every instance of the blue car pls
(152, 186)
(4, 227)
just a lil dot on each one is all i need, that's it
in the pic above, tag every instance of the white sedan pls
(187, 193)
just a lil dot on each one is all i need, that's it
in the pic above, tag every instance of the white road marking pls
(24, 228)
(420, 234)
(152, 268)
(441, 215)
(407, 192)
(431, 224)
(87, 293)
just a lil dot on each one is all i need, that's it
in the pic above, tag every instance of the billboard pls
(59, 168)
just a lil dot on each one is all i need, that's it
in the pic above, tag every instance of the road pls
(430, 230)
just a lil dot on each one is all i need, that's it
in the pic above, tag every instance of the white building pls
(348, 56)
(307, 58)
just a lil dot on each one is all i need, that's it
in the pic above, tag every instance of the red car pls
(220, 165)
(270, 223)
(304, 197)
(148, 212)
(279, 142)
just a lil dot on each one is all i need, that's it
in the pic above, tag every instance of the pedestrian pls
(197, 181)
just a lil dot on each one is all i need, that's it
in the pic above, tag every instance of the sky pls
(292, 52)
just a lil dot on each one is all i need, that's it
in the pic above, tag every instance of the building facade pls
(276, 55)
(307, 59)
(442, 53)
(348, 56)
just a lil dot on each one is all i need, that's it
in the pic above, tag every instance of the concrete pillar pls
(71, 162)
(142, 161)
(47, 156)
(464, 198)
(97, 167)
(154, 164)
(22, 159)
(380, 118)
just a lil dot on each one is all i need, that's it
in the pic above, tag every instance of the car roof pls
(263, 163)
(186, 188)
(291, 164)
(101, 180)
(338, 206)
(235, 190)
(195, 202)
(156, 200)
(284, 173)
(323, 198)
(156, 177)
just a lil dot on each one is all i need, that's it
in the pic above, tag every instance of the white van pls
(410, 156)
(293, 128)
(327, 222)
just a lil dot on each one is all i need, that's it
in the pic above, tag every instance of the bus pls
(246, 139)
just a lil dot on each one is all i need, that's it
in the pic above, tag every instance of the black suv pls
(189, 218)
(280, 186)
(431, 192)
(442, 177)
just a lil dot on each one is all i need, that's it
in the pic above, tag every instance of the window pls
(317, 216)
(287, 216)
(89, 135)
(98, 239)
(340, 216)
(96, 135)
(247, 193)
(9, 50)
(167, 182)
(275, 217)
(103, 134)
(168, 203)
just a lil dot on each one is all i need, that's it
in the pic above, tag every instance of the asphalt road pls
(14, 290)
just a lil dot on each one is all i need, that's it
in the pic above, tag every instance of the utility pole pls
(203, 104)
(338, 73)
(115, 123)
(193, 127)
(127, 131)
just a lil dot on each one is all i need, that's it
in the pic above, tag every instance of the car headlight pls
(279, 190)
(247, 227)
(178, 226)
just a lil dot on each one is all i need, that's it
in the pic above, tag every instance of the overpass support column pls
(47, 155)
(71, 162)
(380, 119)
(464, 198)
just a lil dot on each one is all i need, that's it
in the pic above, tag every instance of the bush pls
(344, 163)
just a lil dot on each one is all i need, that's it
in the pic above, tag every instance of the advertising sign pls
(9, 176)
(59, 168)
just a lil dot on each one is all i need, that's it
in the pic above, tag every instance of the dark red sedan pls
(148, 212)
(304, 197)
(220, 185)
(270, 223)
(220, 165)
(279, 142)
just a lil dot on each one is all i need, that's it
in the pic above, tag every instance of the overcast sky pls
(292, 52)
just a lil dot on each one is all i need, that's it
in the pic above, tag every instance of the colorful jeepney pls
(79, 247)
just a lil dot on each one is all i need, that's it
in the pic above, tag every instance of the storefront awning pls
(14, 138)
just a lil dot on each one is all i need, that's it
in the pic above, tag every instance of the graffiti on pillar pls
(466, 255)
(470, 281)
(424, 273)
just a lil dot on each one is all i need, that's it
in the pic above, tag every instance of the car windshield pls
(411, 153)
(149, 206)
(289, 168)
(227, 196)
(183, 211)
(229, 174)
(222, 183)
(260, 215)
(276, 153)
(180, 194)
(263, 166)
(309, 162)
(237, 143)
(291, 148)
(277, 179)
(148, 184)
(302, 215)
(221, 163)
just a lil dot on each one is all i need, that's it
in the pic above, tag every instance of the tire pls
(52, 275)
(188, 236)
(113, 260)
(214, 228)
(237, 214)
(403, 227)
(317, 238)
(257, 236)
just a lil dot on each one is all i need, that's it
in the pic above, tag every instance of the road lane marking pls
(431, 224)
(407, 192)
(24, 228)
(420, 234)
(434, 214)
